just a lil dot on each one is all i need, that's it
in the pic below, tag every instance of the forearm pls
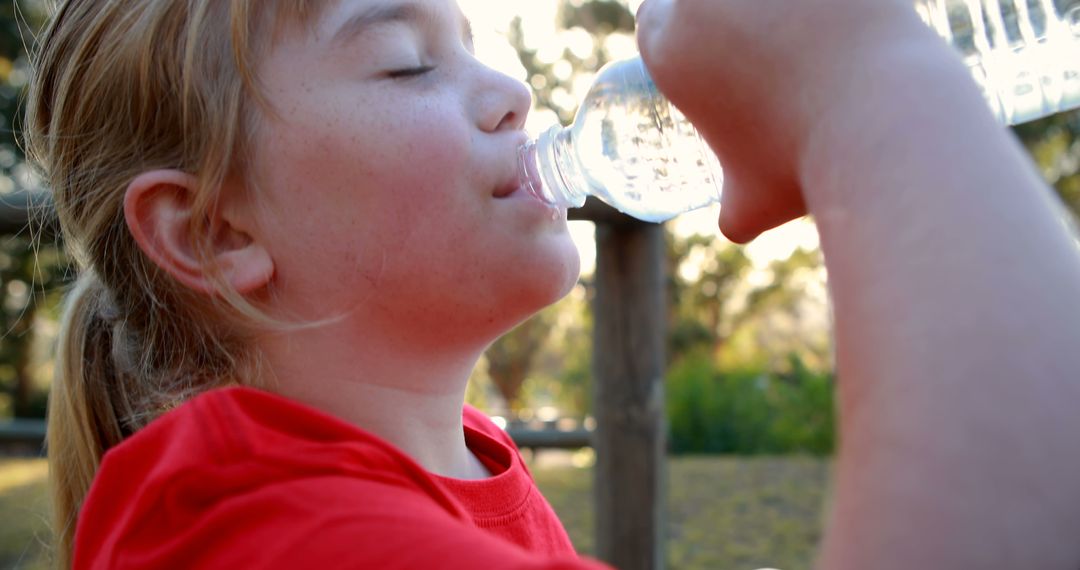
(957, 295)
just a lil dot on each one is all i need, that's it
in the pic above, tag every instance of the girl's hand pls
(759, 77)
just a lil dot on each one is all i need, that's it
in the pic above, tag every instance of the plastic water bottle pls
(1024, 54)
(630, 147)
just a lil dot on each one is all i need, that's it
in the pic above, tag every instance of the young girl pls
(299, 225)
(317, 199)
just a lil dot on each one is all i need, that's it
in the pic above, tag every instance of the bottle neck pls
(557, 169)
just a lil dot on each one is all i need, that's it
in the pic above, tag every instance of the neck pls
(408, 395)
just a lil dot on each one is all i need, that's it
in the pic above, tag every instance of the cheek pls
(422, 184)
(417, 171)
(388, 171)
(390, 200)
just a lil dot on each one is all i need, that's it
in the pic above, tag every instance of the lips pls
(507, 189)
(525, 176)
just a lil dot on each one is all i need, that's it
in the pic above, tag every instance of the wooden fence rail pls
(22, 438)
(18, 436)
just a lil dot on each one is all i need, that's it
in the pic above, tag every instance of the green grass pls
(723, 512)
(24, 508)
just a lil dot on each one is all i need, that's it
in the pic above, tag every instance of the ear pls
(158, 211)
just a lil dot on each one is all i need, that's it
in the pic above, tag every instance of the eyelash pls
(411, 72)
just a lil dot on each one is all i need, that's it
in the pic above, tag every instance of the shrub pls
(748, 412)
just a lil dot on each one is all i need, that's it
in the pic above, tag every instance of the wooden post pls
(628, 363)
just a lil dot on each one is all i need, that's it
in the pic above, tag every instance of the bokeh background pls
(750, 372)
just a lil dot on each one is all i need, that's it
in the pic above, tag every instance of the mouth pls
(508, 189)
(516, 179)
(526, 178)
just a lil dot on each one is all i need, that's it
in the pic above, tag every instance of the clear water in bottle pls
(629, 147)
(1024, 54)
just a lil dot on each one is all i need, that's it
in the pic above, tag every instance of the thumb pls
(733, 221)
(750, 206)
(652, 19)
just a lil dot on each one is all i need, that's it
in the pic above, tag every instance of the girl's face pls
(387, 187)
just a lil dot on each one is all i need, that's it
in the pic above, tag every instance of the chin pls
(564, 270)
(573, 273)
(550, 279)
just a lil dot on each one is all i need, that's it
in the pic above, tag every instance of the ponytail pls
(83, 422)
(113, 378)
(120, 88)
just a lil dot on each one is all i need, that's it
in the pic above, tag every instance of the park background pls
(750, 371)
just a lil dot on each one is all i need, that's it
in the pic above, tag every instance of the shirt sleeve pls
(330, 522)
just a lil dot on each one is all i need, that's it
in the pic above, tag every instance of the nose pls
(502, 102)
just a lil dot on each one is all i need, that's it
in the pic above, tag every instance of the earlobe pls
(158, 212)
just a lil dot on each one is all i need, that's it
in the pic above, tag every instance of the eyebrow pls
(418, 15)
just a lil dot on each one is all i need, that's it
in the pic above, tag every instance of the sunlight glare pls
(584, 236)
(773, 245)
(579, 42)
(621, 46)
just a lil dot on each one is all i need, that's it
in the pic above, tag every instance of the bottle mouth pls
(543, 165)
(529, 173)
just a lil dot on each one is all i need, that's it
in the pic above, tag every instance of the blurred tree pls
(781, 314)
(30, 272)
(1054, 144)
(712, 300)
(562, 371)
(510, 358)
(17, 18)
(702, 303)
(599, 19)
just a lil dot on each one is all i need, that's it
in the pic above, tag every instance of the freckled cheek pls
(423, 197)
(390, 176)
(433, 156)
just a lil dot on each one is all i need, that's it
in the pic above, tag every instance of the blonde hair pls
(121, 88)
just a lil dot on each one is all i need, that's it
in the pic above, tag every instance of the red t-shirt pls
(239, 478)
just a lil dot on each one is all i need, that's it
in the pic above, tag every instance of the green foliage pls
(32, 277)
(574, 385)
(561, 373)
(598, 17)
(703, 310)
(748, 412)
(1054, 145)
(717, 303)
(722, 320)
(30, 273)
(511, 357)
(573, 352)
(17, 19)
(804, 410)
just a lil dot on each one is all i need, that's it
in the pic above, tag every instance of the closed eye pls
(410, 72)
